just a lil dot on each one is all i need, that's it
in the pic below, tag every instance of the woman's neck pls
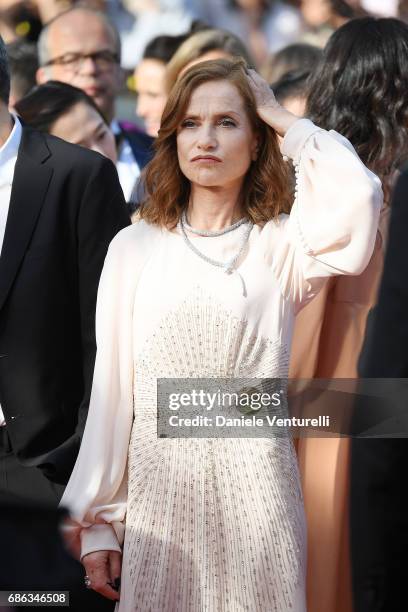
(214, 208)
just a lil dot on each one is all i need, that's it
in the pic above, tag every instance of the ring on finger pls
(87, 582)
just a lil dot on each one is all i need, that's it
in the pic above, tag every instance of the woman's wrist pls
(99, 536)
(278, 118)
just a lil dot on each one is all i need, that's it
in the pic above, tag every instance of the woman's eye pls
(188, 123)
(226, 122)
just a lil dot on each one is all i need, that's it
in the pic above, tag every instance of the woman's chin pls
(207, 179)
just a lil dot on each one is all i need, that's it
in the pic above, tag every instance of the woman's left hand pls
(268, 108)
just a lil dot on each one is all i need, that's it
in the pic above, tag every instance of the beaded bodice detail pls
(236, 502)
(201, 338)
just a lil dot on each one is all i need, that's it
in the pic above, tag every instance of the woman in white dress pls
(211, 525)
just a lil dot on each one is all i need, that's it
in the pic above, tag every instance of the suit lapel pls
(30, 185)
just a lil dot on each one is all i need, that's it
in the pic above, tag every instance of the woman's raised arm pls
(333, 223)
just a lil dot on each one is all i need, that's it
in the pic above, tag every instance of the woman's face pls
(315, 12)
(151, 93)
(84, 126)
(215, 140)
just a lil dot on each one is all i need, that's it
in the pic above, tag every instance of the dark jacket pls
(379, 495)
(140, 143)
(66, 206)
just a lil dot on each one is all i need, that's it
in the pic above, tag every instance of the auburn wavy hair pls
(267, 187)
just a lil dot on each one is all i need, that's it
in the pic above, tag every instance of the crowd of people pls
(245, 219)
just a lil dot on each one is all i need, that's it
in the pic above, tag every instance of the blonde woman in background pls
(206, 45)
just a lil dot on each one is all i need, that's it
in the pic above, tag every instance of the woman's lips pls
(206, 159)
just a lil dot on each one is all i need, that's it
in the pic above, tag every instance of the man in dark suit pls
(60, 206)
(81, 47)
(379, 494)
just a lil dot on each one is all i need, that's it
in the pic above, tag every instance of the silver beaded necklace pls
(211, 233)
(229, 266)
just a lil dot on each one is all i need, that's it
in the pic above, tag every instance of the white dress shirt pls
(127, 167)
(8, 158)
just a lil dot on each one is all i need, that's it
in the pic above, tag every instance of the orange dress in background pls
(327, 340)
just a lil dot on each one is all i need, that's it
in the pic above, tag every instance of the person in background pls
(292, 90)
(202, 46)
(69, 113)
(403, 10)
(60, 207)
(19, 19)
(81, 47)
(150, 80)
(379, 497)
(391, 8)
(265, 25)
(49, 9)
(140, 21)
(24, 19)
(296, 58)
(323, 17)
(23, 62)
(360, 78)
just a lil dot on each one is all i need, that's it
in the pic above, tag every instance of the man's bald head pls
(81, 47)
(73, 17)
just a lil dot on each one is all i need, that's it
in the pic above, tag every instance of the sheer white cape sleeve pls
(96, 494)
(332, 226)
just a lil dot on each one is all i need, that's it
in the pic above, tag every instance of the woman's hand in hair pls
(268, 108)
